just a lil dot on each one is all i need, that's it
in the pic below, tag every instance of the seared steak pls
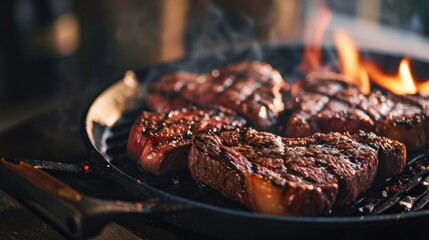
(326, 103)
(250, 88)
(159, 142)
(286, 176)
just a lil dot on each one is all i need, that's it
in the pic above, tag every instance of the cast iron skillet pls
(79, 215)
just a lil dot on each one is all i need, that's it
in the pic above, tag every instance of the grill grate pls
(408, 192)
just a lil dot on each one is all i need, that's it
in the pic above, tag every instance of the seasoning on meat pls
(289, 176)
(250, 88)
(327, 103)
(159, 142)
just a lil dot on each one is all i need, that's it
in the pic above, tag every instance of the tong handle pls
(75, 214)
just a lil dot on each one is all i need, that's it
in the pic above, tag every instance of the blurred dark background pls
(54, 49)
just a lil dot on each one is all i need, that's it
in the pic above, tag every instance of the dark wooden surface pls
(55, 135)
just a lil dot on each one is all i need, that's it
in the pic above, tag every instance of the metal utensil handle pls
(72, 212)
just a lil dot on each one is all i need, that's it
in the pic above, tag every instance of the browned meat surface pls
(159, 142)
(326, 103)
(392, 154)
(250, 88)
(289, 176)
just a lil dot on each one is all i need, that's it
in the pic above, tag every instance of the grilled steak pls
(159, 142)
(250, 88)
(286, 176)
(326, 103)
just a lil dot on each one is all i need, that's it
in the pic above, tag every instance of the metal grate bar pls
(392, 200)
(424, 200)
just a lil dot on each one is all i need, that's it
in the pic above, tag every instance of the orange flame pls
(359, 72)
(399, 83)
(423, 87)
(312, 60)
(349, 61)
(362, 71)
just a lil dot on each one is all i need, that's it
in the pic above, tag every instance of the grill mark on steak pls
(339, 116)
(332, 83)
(318, 113)
(250, 88)
(403, 118)
(341, 92)
(375, 105)
(247, 186)
(244, 95)
(356, 156)
(339, 161)
(307, 107)
(417, 100)
(392, 154)
(238, 92)
(159, 142)
(226, 83)
(166, 91)
(284, 170)
(266, 149)
(203, 92)
(327, 168)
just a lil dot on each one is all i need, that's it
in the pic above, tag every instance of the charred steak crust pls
(328, 103)
(262, 189)
(159, 142)
(250, 88)
(288, 176)
(392, 154)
